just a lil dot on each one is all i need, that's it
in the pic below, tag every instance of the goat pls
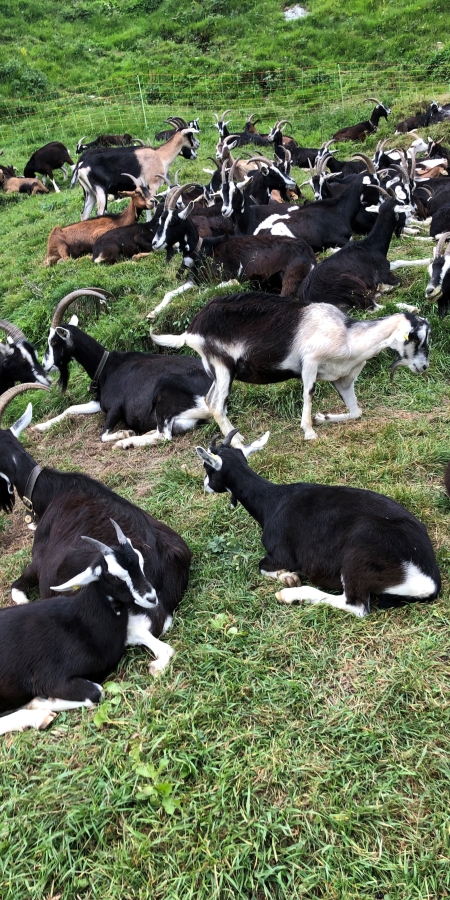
(65, 506)
(360, 271)
(340, 538)
(55, 652)
(17, 184)
(51, 156)
(440, 221)
(362, 129)
(438, 287)
(258, 258)
(177, 123)
(105, 140)
(420, 119)
(328, 223)
(73, 241)
(18, 359)
(98, 172)
(261, 339)
(155, 396)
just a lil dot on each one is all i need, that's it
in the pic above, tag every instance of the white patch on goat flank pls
(275, 225)
(18, 597)
(416, 583)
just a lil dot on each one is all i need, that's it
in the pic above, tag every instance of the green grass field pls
(286, 753)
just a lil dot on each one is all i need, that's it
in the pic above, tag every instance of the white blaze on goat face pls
(114, 568)
(159, 242)
(48, 363)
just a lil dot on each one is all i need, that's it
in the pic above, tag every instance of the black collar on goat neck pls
(28, 494)
(93, 387)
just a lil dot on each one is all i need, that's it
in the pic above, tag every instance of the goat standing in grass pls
(261, 339)
(340, 538)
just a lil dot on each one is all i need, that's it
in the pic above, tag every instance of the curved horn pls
(224, 114)
(233, 167)
(175, 193)
(69, 298)
(369, 163)
(281, 123)
(177, 121)
(250, 118)
(216, 118)
(164, 178)
(262, 159)
(8, 396)
(389, 194)
(440, 245)
(137, 181)
(12, 331)
(102, 547)
(120, 535)
(215, 161)
(229, 437)
(373, 100)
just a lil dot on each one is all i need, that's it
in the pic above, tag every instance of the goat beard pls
(63, 380)
(395, 365)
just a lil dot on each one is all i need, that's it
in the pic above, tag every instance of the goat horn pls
(140, 142)
(225, 170)
(262, 159)
(369, 162)
(6, 398)
(102, 547)
(216, 117)
(388, 194)
(165, 178)
(176, 192)
(326, 145)
(440, 245)
(177, 121)
(12, 331)
(137, 181)
(229, 137)
(224, 114)
(233, 167)
(215, 161)
(282, 122)
(373, 100)
(229, 437)
(120, 535)
(69, 298)
(250, 118)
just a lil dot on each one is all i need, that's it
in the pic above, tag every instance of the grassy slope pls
(308, 752)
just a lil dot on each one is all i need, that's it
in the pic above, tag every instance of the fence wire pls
(141, 103)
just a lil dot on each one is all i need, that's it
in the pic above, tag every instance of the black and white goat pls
(54, 654)
(155, 396)
(65, 506)
(54, 155)
(18, 359)
(261, 339)
(328, 223)
(260, 258)
(438, 287)
(344, 539)
(358, 273)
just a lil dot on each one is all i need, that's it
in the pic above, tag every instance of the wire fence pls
(139, 104)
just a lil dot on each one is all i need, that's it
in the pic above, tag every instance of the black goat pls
(420, 120)
(177, 123)
(342, 539)
(18, 359)
(362, 129)
(155, 396)
(105, 140)
(438, 287)
(51, 156)
(261, 339)
(440, 221)
(68, 504)
(54, 653)
(328, 223)
(251, 258)
(357, 274)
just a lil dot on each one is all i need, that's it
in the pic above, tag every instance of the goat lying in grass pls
(340, 538)
(261, 339)
(54, 653)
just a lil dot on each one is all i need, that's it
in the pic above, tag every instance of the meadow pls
(286, 753)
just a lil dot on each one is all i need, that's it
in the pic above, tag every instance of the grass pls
(286, 753)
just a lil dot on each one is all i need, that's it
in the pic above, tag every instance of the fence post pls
(142, 101)
(340, 85)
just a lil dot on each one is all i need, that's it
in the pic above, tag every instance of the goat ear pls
(74, 320)
(184, 213)
(209, 458)
(62, 333)
(87, 577)
(24, 420)
(256, 445)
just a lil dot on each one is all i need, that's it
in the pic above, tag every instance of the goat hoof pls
(290, 579)
(284, 596)
(151, 315)
(310, 435)
(47, 720)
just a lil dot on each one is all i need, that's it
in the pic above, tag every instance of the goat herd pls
(128, 570)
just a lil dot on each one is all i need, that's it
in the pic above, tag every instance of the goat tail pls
(169, 340)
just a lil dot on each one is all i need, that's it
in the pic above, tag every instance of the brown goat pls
(362, 129)
(73, 241)
(13, 184)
